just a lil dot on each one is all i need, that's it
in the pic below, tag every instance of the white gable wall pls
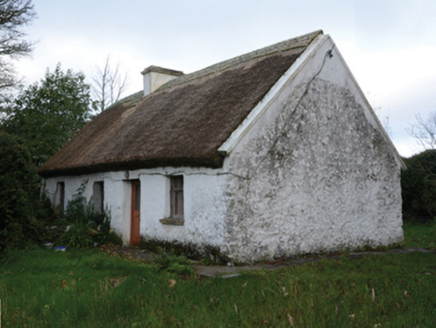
(322, 175)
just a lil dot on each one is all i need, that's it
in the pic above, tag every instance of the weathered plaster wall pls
(204, 203)
(204, 206)
(113, 193)
(321, 174)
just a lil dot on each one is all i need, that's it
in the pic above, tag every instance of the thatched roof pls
(183, 123)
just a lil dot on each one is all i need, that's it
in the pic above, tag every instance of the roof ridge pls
(298, 42)
(130, 100)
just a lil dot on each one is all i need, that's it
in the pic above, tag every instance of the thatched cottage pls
(270, 154)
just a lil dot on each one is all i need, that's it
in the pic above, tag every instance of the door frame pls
(135, 212)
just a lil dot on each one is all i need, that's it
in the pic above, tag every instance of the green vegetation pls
(86, 288)
(36, 222)
(170, 262)
(40, 120)
(48, 114)
(420, 235)
(19, 193)
(418, 186)
(81, 226)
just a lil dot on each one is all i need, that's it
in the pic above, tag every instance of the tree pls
(19, 189)
(110, 84)
(14, 14)
(48, 114)
(418, 187)
(425, 130)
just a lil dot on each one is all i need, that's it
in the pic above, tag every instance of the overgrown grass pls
(86, 288)
(420, 235)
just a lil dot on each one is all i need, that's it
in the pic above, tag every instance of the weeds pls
(85, 288)
(172, 263)
(82, 226)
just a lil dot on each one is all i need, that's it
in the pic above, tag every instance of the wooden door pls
(135, 216)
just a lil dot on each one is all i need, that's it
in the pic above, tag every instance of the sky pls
(389, 45)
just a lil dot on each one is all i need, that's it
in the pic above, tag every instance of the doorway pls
(135, 237)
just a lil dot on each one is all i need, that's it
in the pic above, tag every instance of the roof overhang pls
(227, 147)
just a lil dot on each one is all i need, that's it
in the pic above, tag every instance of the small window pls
(60, 197)
(177, 197)
(98, 196)
(175, 201)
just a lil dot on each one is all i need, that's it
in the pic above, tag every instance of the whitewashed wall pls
(323, 176)
(113, 192)
(204, 206)
(204, 203)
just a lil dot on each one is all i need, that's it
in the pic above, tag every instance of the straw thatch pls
(181, 124)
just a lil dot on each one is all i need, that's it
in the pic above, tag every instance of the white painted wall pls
(204, 206)
(204, 203)
(323, 176)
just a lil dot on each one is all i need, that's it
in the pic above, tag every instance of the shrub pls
(84, 227)
(19, 191)
(418, 184)
(114, 239)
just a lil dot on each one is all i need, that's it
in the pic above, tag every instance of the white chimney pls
(155, 76)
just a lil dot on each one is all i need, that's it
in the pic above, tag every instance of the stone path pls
(233, 271)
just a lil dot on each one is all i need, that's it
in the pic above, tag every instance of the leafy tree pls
(19, 189)
(14, 14)
(48, 114)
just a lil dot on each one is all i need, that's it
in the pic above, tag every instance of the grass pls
(90, 289)
(420, 235)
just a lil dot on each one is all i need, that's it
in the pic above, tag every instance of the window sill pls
(172, 221)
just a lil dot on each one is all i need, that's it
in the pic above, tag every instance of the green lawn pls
(420, 235)
(91, 289)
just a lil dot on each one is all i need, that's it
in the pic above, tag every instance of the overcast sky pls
(390, 46)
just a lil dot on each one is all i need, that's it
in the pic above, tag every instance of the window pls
(98, 196)
(177, 197)
(175, 201)
(60, 197)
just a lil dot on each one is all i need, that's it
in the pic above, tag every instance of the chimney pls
(155, 76)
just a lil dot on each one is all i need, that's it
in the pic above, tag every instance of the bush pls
(84, 227)
(418, 184)
(114, 239)
(19, 192)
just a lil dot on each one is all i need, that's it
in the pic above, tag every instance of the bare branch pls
(384, 120)
(425, 130)
(109, 84)
(14, 14)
